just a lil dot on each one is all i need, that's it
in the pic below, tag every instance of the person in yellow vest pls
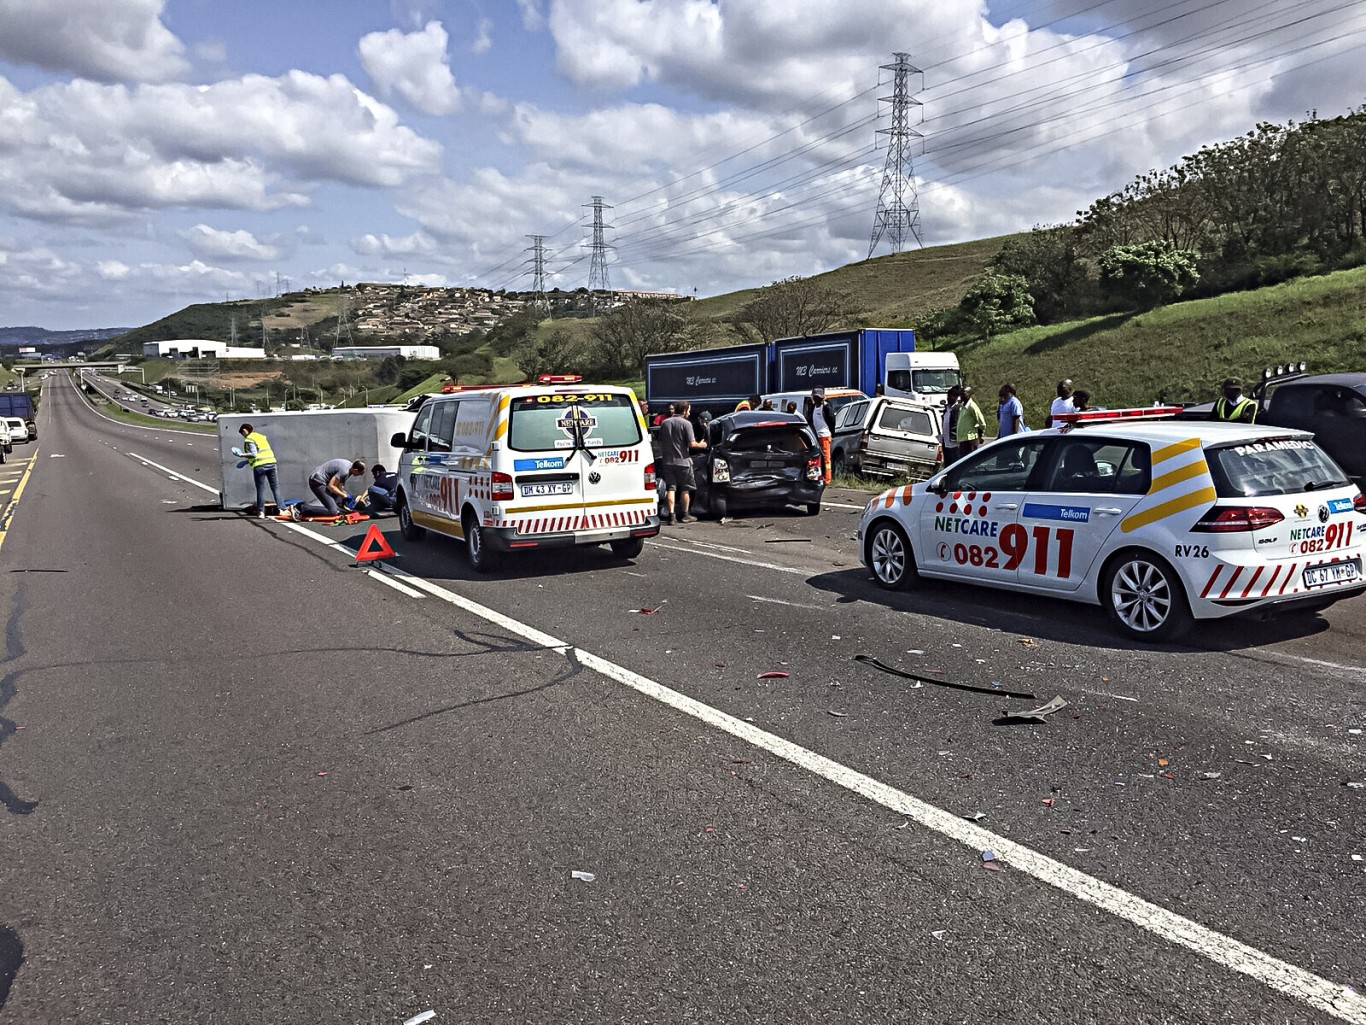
(258, 455)
(1234, 407)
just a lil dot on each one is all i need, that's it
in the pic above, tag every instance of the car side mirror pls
(399, 440)
(938, 487)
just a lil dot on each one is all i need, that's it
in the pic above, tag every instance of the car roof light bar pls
(1110, 416)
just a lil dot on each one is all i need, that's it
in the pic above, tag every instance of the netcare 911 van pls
(532, 466)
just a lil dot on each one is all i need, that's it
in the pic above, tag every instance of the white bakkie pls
(1162, 522)
(532, 466)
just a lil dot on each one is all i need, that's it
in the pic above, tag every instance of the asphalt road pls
(243, 781)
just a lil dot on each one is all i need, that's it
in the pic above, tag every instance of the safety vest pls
(264, 456)
(1225, 410)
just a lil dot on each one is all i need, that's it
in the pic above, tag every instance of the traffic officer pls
(257, 453)
(1234, 407)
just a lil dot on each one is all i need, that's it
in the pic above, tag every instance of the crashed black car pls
(756, 459)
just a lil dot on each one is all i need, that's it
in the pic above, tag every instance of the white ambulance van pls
(532, 466)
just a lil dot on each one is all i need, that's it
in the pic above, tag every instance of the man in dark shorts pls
(676, 442)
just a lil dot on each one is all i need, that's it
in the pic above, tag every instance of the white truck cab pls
(532, 466)
(922, 376)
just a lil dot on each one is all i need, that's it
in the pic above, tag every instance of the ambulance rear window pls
(1275, 466)
(537, 423)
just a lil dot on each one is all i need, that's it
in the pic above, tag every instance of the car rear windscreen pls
(1276, 466)
(601, 419)
(772, 439)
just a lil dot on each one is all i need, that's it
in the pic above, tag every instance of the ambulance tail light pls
(651, 481)
(1233, 519)
(501, 490)
(1359, 502)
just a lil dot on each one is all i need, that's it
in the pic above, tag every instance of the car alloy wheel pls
(889, 556)
(1145, 598)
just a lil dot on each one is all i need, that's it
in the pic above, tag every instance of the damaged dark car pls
(759, 459)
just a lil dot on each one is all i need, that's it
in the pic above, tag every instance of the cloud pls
(213, 244)
(414, 65)
(417, 244)
(233, 144)
(112, 270)
(483, 37)
(97, 39)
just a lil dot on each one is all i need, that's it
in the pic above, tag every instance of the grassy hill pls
(1179, 352)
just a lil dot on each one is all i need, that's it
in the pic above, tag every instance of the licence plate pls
(1335, 573)
(536, 490)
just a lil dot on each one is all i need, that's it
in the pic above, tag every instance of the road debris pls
(583, 877)
(787, 540)
(1026, 642)
(651, 612)
(1211, 775)
(418, 1019)
(773, 675)
(1350, 784)
(869, 660)
(1048, 802)
(1039, 714)
(838, 715)
(975, 816)
(939, 934)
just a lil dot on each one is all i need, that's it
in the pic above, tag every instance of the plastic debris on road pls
(773, 676)
(939, 934)
(583, 877)
(869, 660)
(418, 1019)
(837, 715)
(1211, 775)
(1039, 714)
(651, 612)
(975, 816)
(1354, 785)
(1048, 802)
(988, 855)
(1026, 642)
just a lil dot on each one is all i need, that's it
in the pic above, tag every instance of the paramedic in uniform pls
(676, 442)
(1234, 407)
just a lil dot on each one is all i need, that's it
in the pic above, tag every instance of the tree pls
(791, 308)
(557, 353)
(996, 303)
(1147, 274)
(1050, 261)
(627, 334)
(389, 369)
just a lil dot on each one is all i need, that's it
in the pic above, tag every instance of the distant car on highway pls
(1161, 523)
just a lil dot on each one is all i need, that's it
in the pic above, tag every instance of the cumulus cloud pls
(208, 243)
(414, 65)
(108, 42)
(417, 244)
(483, 36)
(234, 144)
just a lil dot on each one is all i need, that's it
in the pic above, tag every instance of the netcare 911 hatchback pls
(1160, 522)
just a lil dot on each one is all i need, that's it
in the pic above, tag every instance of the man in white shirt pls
(823, 423)
(1062, 404)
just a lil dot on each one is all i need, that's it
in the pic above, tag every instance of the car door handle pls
(1007, 505)
(1108, 511)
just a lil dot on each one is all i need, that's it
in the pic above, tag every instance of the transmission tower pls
(898, 205)
(597, 267)
(537, 251)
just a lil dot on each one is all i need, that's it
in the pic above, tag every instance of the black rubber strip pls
(868, 660)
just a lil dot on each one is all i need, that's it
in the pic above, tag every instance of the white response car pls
(1160, 522)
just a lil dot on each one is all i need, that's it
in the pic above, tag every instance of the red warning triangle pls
(374, 546)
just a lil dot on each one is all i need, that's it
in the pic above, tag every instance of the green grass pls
(1180, 352)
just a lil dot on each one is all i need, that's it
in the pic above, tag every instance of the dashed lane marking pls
(174, 476)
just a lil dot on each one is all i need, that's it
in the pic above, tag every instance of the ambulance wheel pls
(1144, 598)
(410, 530)
(628, 547)
(889, 556)
(483, 559)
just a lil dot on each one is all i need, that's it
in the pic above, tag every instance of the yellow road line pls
(14, 502)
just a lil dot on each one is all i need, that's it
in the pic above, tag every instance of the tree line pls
(1279, 202)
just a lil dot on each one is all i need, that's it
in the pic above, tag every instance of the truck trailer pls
(861, 359)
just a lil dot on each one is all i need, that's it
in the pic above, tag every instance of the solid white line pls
(384, 578)
(1301, 985)
(731, 558)
(841, 505)
(174, 475)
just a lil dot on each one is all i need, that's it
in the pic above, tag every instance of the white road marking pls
(711, 546)
(841, 505)
(395, 584)
(1355, 672)
(779, 601)
(174, 476)
(1306, 987)
(730, 558)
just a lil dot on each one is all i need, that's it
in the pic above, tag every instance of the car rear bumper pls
(510, 539)
(770, 493)
(1222, 588)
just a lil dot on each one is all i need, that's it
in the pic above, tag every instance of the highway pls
(242, 780)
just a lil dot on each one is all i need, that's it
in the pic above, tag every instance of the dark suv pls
(1333, 406)
(760, 458)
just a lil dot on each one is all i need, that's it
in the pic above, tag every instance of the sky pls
(158, 153)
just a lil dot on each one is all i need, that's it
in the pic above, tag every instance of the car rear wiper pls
(1318, 485)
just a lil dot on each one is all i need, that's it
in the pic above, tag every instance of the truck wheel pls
(1144, 598)
(628, 547)
(483, 559)
(410, 530)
